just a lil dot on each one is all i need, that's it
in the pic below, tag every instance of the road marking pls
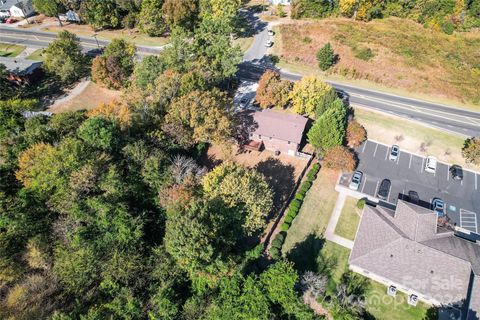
(410, 163)
(423, 164)
(364, 183)
(389, 193)
(386, 155)
(398, 158)
(376, 188)
(468, 220)
(476, 177)
(448, 172)
(364, 145)
(375, 152)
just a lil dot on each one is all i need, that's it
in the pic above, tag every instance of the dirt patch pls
(87, 98)
(393, 52)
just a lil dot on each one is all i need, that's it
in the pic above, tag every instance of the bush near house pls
(293, 210)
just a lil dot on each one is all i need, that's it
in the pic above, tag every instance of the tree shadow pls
(280, 177)
(305, 255)
(245, 125)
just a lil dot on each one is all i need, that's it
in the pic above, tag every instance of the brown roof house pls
(22, 71)
(278, 131)
(406, 250)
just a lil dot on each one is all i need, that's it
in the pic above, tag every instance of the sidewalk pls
(332, 224)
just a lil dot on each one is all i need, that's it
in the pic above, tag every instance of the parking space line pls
(386, 154)
(410, 163)
(389, 194)
(364, 145)
(448, 172)
(364, 183)
(375, 152)
(376, 188)
(398, 158)
(423, 164)
(476, 177)
(468, 220)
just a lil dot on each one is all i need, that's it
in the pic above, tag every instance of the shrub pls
(295, 204)
(364, 54)
(471, 150)
(288, 218)
(292, 213)
(281, 237)
(300, 196)
(361, 203)
(285, 226)
(340, 158)
(326, 57)
(275, 253)
(356, 134)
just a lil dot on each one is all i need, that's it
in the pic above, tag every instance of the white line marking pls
(364, 183)
(376, 188)
(386, 155)
(364, 145)
(423, 164)
(389, 193)
(461, 182)
(448, 172)
(375, 152)
(398, 158)
(476, 176)
(410, 163)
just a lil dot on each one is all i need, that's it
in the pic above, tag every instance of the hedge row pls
(293, 209)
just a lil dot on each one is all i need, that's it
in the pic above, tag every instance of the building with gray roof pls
(406, 249)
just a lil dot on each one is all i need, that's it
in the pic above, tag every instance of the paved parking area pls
(462, 198)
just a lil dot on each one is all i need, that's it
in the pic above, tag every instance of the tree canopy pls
(311, 96)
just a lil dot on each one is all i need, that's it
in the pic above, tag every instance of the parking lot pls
(407, 173)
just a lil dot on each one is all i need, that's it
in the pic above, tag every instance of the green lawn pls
(36, 55)
(316, 209)
(10, 50)
(349, 219)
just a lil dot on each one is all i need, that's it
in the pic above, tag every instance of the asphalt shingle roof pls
(279, 125)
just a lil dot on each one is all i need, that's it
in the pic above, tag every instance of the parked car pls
(394, 153)
(456, 172)
(438, 207)
(269, 44)
(11, 20)
(413, 197)
(431, 164)
(356, 180)
(3, 19)
(384, 189)
(271, 33)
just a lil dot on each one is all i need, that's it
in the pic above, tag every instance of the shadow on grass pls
(307, 256)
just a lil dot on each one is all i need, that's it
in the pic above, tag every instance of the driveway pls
(462, 198)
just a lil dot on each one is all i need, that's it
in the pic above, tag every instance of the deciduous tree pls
(101, 13)
(6, 89)
(180, 13)
(329, 130)
(149, 69)
(64, 57)
(150, 19)
(340, 158)
(272, 91)
(471, 150)
(50, 8)
(310, 94)
(241, 188)
(356, 134)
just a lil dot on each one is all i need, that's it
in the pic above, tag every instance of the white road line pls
(476, 177)
(398, 158)
(375, 152)
(364, 183)
(364, 145)
(386, 155)
(448, 172)
(423, 164)
(389, 193)
(376, 188)
(410, 163)
(461, 182)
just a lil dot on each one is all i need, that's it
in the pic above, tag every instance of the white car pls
(431, 164)
(394, 153)
(271, 33)
(356, 180)
(269, 44)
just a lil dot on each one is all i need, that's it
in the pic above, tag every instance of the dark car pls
(384, 189)
(413, 197)
(456, 172)
(3, 19)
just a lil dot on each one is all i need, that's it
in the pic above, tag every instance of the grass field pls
(10, 50)
(404, 55)
(410, 136)
(36, 55)
(349, 219)
(89, 98)
(130, 35)
(316, 209)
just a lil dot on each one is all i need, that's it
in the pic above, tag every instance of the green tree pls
(150, 19)
(64, 57)
(200, 116)
(100, 133)
(326, 57)
(101, 13)
(6, 89)
(242, 188)
(149, 69)
(471, 150)
(311, 96)
(180, 13)
(51, 8)
(356, 134)
(329, 130)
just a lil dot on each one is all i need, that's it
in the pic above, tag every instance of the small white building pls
(16, 8)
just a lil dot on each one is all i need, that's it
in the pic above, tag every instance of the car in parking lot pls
(456, 172)
(431, 164)
(356, 180)
(269, 43)
(438, 207)
(271, 33)
(394, 153)
(413, 197)
(384, 189)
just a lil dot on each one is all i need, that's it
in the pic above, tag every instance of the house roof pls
(406, 248)
(7, 4)
(20, 66)
(279, 125)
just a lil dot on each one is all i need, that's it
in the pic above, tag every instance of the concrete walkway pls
(332, 224)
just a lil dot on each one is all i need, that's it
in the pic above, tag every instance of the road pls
(447, 118)
(38, 39)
